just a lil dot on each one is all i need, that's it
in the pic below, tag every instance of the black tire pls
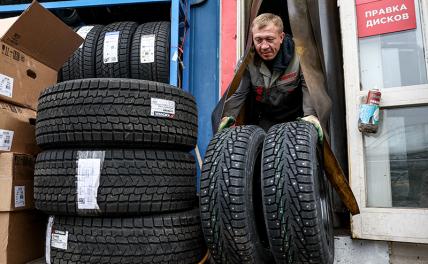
(230, 179)
(296, 196)
(66, 73)
(169, 238)
(158, 70)
(70, 69)
(121, 68)
(88, 53)
(82, 63)
(131, 182)
(114, 113)
(69, 16)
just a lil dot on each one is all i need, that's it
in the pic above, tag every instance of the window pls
(389, 169)
(397, 159)
(394, 59)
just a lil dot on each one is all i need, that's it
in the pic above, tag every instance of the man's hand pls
(226, 122)
(314, 121)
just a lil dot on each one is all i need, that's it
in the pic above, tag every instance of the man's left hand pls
(314, 121)
(226, 122)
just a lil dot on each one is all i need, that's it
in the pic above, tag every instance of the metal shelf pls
(175, 20)
(78, 3)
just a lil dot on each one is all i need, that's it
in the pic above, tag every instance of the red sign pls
(385, 16)
(360, 2)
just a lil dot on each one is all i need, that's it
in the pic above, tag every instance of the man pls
(273, 80)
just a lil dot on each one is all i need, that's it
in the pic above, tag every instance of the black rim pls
(324, 202)
(257, 201)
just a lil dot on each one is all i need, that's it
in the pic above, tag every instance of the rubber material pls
(159, 69)
(88, 52)
(228, 188)
(130, 182)
(299, 224)
(114, 113)
(70, 69)
(82, 63)
(169, 238)
(121, 68)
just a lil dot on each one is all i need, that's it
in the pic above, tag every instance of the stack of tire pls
(115, 173)
(264, 197)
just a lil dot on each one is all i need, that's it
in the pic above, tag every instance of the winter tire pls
(142, 67)
(296, 196)
(130, 182)
(230, 178)
(70, 69)
(82, 63)
(169, 238)
(116, 113)
(116, 64)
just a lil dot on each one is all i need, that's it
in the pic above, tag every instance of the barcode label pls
(6, 85)
(110, 49)
(6, 139)
(48, 240)
(59, 239)
(88, 181)
(83, 32)
(162, 108)
(19, 196)
(147, 48)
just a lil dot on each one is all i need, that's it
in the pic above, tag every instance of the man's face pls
(267, 41)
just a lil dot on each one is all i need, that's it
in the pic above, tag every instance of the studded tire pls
(115, 113)
(296, 196)
(230, 180)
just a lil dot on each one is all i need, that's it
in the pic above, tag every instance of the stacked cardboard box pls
(33, 47)
(22, 229)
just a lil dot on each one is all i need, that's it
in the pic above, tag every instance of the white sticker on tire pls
(111, 46)
(6, 139)
(162, 108)
(19, 196)
(83, 32)
(6, 85)
(59, 239)
(147, 48)
(48, 240)
(88, 181)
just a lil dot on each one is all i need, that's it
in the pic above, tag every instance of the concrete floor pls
(355, 251)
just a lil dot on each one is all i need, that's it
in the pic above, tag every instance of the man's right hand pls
(226, 122)
(314, 121)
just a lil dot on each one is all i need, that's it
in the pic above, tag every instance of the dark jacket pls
(277, 95)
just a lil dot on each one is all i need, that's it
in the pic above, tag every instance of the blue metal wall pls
(204, 64)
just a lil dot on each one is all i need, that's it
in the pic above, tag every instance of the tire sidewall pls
(251, 162)
(322, 192)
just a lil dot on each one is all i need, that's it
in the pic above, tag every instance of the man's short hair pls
(263, 20)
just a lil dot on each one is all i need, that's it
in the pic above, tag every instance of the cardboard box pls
(22, 236)
(34, 46)
(17, 129)
(16, 182)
